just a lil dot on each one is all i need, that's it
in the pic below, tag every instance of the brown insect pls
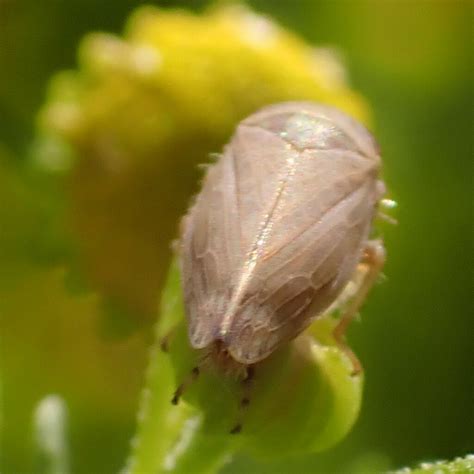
(279, 229)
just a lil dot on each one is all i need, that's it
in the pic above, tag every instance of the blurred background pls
(89, 206)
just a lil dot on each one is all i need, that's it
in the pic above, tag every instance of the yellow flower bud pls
(142, 110)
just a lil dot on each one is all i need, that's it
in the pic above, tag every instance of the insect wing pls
(220, 228)
(278, 227)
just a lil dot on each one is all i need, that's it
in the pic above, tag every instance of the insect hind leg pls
(247, 383)
(372, 261)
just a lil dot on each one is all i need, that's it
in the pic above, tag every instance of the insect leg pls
(192, 376)
(245, 400)
(373, 260)
(165, 340)
(190, 379)
(385, 217)
(388, 204)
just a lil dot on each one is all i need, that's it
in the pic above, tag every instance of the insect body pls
(278, 230)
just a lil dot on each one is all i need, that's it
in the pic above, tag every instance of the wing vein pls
(309, 226)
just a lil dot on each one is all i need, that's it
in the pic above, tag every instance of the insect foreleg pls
(166, 339)
(192, 376)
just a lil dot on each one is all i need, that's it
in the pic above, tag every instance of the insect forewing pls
(278, 228)
(221, 227)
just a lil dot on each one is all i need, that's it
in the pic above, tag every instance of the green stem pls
(197, 451)
(171, 438)
(158, 426)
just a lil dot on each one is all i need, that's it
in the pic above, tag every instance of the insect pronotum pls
(279, 229)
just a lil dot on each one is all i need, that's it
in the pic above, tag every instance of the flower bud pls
(303, 398)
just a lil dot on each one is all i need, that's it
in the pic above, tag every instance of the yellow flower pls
(137, 116)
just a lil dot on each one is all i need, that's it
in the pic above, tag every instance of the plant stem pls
(197, 451)
(171, 438)
(158, 426)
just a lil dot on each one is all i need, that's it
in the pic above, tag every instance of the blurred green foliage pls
(457, 466)
(411, 60)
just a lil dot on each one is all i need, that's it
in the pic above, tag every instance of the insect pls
(279, 229)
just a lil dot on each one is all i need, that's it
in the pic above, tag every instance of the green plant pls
(88, 211)
(305, 399)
